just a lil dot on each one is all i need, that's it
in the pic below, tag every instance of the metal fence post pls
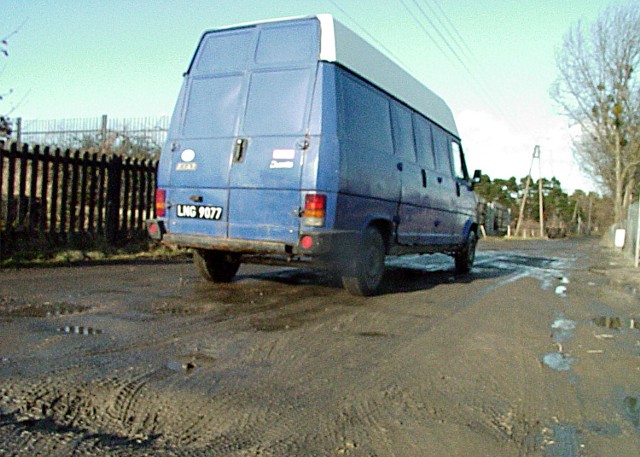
(104, 130)
(19, 131)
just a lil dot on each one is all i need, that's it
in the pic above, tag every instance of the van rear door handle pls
(399, 166)
(424, 178)
(239, 149)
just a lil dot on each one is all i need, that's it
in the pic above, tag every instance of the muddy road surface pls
(535, 353)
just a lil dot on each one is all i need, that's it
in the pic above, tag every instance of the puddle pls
(563, 329)
(275, 325)
(603, 429)
(63, 309)
(632, 410)
(558, 362)
(562, 332)
(185, 367)
(18, 308)
(189, 362)
(561, 291)
(562, 440)
(79, 330)
(373, 334)
(616, 323)
(178, 310)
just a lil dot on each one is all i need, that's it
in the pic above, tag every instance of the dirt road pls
(533, 354)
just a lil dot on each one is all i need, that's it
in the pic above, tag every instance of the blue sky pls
(126, 58)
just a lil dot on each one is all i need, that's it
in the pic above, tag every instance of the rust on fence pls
(62, 194)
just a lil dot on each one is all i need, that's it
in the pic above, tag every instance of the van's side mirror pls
(477, 175)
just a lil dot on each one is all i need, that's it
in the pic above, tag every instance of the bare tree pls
(6, 126)
(598, 88)
(5, 122)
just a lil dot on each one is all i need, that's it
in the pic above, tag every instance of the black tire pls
(369, 267)
(465, 258)
(216, 266)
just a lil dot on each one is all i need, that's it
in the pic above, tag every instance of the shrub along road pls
(535, 353)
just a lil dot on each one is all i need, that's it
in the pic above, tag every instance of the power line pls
(496, 99)
(479, 84)
(366, 32)
(449, 39)
(450, 26)
(426, 31)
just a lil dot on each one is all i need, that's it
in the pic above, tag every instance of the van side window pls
(366, 119)
(459, 165)
(424, 142)
(405, 148)
(442, 152)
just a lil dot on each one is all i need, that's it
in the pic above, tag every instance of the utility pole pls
(541, 205)
(536, 155)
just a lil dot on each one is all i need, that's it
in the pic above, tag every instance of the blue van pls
(296, 141)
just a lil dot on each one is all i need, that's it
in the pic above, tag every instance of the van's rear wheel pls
(216, 266)
(369, 267)
(465, 258)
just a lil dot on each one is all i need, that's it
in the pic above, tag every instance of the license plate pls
(212, 213)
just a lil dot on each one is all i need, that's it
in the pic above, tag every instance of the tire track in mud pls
(153, 407)
(488, 413)
(358, 382)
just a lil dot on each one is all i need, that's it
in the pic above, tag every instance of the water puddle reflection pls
(18, 308)
(632, 410)
(557, 361)
(563, 331)
(185, 367)
(79, 330)
(562, 440)
(616, 323)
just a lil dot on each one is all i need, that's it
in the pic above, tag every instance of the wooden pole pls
(540, 196)
(536, 153)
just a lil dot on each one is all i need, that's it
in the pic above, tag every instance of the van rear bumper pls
(327, 246)
(225, 244)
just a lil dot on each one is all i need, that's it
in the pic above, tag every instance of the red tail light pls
(161, 196)
(315, 206)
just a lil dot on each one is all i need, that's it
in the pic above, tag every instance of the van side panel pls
(370, 179)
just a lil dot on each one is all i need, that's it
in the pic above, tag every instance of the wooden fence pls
(64, 195)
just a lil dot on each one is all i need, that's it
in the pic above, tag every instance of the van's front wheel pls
(216, 266)
(369, 267)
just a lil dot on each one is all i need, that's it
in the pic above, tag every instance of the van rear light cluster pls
(161, 197)
(315, 206)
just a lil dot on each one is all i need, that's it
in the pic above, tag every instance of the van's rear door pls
(245, 116)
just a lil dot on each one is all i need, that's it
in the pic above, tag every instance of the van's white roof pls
(341, 45)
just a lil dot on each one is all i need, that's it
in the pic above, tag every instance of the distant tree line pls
(579, 212)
